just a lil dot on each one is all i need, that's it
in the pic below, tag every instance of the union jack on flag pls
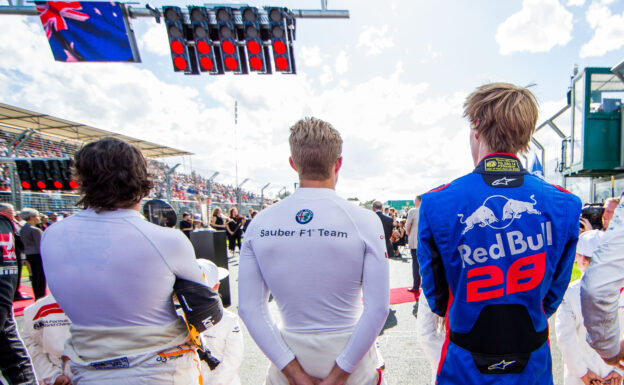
(86, 31)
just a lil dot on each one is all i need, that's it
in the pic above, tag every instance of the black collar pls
(500, 163)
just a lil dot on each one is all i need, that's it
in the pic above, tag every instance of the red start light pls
(281, 63)
(279, 47)
(41, 184)
(26, 185)
(253, 47)
(231, 63)
(180, 63)
(73, 184)
(177, 47)
(58, 184)
(203, 47)
(228, 47)
(206, 63)
(255, 63)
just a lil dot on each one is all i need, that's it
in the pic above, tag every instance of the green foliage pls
(576, 273)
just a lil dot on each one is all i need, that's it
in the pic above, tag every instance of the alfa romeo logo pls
(304, 216)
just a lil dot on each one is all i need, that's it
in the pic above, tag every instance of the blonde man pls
(316, 254)
(496, 249)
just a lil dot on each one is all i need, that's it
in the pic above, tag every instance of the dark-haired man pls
(186, 225)
(113, 272)
(496, 249)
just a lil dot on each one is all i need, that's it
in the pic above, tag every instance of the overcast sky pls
(391, 79)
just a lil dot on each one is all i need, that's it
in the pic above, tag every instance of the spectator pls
(186, 226)
(400, 238)
(217, 220)
(234, 229)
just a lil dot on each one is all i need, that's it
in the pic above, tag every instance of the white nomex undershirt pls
(114, 268)
(317, 254)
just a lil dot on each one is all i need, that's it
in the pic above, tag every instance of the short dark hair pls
(112, 174)
(377, 205)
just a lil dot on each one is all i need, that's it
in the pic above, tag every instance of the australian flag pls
(86, 31)
(536, 167)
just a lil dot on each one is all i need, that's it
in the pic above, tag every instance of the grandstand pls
(28, 134)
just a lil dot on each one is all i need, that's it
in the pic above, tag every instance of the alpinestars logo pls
(501, 365)
(304, 216)
(503, 181)
(486, 214)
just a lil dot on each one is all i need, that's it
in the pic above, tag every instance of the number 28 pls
(529, 270)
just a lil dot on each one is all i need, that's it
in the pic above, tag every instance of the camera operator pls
(113, 274)
(598, 218)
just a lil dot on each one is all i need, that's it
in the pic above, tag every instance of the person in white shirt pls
(224, 340)
(113, 273)
(430, 333)
(582, 364)
(317, 254)
(411, 228)
(44, 331)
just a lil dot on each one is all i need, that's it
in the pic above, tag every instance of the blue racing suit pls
(496, 249)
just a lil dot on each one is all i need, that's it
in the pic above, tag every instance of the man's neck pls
(485, 151)
(327, 183)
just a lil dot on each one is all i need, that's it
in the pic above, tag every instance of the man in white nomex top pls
(317, 254)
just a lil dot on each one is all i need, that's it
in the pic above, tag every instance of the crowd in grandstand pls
(183, 186)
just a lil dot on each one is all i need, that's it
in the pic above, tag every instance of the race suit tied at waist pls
(501, 340)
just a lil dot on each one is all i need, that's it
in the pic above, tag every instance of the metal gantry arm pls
(147, 11)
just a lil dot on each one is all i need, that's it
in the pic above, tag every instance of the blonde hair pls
(314, 146)
(505, 116)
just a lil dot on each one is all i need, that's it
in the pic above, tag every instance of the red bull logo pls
(490, 214)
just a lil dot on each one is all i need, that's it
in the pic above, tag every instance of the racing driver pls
(496, 249)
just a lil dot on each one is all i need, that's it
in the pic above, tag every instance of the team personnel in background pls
(600, 292)
(430, 334)
(317, 254)
(45, 330)
(8, 210)
(31, 239)
(411, 228)
(15, 366)
(582, 365)
(387, 224)
(113, 272)
(496, 249)
(225, 339)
